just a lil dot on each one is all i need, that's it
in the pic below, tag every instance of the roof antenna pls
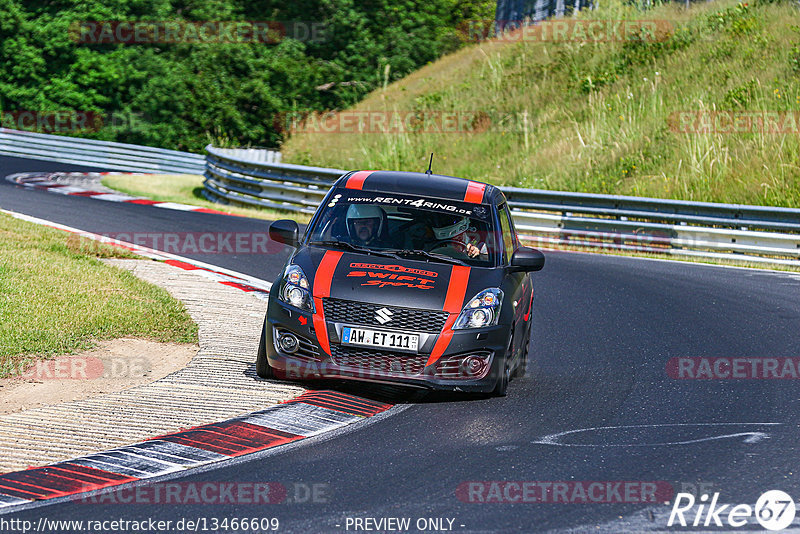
(430, 166)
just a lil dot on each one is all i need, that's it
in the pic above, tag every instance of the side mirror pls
(527, 259)
(285, 231)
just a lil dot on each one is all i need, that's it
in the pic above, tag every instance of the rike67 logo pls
(774, 510)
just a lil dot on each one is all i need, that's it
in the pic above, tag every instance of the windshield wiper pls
(390, 253)
(405, 253)
(351, 247)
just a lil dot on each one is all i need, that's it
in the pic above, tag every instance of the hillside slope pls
(663, 117)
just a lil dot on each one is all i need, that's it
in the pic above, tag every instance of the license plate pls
(375, 338)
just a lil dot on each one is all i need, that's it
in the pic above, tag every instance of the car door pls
(517, 283)
(526, 306)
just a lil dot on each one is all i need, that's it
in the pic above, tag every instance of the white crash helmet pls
(452, 230)
(364, 211)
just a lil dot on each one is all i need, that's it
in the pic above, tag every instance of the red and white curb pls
(310, 414)
(44, 181)
(256, 286)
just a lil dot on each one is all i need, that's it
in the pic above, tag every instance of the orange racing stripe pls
(453, 302)
(356, 180)
(474, 192)
(322, 289)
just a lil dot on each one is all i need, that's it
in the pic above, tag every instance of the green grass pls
(186, 189)
(595, 117)
(56, 297)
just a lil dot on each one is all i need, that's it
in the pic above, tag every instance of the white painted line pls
(175, 206)
(41, 182)
(152, 253)
(115, 197)
(8, 500)
(67, 189)
(750, 436)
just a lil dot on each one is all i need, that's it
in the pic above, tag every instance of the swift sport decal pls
(322, 289)
(382, 279)
(395, 269)
(453, 302)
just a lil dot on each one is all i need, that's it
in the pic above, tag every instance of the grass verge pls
(605, 116)
(56, 297)
(187, 189)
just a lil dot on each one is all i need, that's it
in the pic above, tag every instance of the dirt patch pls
(115, 365)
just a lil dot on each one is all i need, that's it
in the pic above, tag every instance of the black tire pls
(522, 366)
(501, 389)
(263, 368)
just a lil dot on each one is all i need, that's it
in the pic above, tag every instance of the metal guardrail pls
(232, 178)
(262, 155)
(514, 13)
(105, 154)
(552, 219)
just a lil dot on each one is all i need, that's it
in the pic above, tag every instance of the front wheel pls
(501, 389)
(522, 366)
(263, 368)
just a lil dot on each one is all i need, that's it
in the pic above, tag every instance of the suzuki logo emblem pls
(383, 316)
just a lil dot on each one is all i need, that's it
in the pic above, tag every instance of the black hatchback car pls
(403, 278)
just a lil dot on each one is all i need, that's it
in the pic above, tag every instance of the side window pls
(509, 243)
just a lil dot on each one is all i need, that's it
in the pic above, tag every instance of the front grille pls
(305, 350)
(350, 311)
(373, 360)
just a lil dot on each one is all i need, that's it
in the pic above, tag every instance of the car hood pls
(389, 281)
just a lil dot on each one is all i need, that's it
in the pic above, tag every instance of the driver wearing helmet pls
(365, 224)
(456, 234)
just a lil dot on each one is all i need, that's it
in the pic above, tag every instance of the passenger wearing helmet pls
(455, 233)
(365, 224)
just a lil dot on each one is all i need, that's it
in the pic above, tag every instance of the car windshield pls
(409, 227)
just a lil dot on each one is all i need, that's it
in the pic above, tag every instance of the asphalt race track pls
(112, 217)
(604, 329)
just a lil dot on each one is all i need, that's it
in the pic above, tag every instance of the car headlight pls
(295, 289)
(482, 310)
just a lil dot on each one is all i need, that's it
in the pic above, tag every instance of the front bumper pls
(347, 362)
